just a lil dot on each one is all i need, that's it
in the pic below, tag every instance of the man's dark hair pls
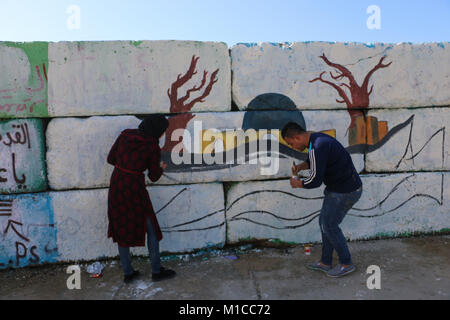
(291, 129)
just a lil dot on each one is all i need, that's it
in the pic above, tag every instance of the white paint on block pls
(15, 70)
(82, 223)
(77, 150)
(273, 210)
(124, 77)
(415, 78)
(390, 205)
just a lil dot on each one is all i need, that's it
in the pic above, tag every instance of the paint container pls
(308, 249)
(95, 270)
(96, 275)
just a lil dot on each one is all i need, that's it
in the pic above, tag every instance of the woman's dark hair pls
(291, 129)
(154, 125)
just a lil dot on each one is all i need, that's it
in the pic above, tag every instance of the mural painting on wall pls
(362, 129)
(24, 83)
(181, 104)
(365, 132)
(271, 111)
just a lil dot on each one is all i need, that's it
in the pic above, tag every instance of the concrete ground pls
(411, 268)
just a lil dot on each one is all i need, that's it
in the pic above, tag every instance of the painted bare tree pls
(358, 104)
(181, 105)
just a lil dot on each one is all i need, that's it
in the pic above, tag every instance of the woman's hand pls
(163, 165)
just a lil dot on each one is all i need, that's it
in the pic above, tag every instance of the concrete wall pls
(62, 105)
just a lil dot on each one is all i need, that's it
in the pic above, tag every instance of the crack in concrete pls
(255, 284)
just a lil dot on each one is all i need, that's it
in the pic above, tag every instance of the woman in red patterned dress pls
(130, 211)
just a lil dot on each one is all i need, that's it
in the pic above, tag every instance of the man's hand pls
(296, 183)
(297, 168)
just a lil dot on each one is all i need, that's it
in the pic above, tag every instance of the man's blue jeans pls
(153, 250)
(335, 207)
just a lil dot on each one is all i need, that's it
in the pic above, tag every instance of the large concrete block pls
(78, 160)
(411, 75)
(390, 205)
(415, 141)
(190, 216)
(77, 150)
(132, 77)
(28, 232)
(396, 204)
(23, 79)
(22, 156)
(272, 209)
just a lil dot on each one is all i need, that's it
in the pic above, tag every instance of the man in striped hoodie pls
(331, 164)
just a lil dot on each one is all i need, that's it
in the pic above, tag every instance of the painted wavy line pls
(395, 188)
(279, 228)
(273, 214)
(198, 229)
(428, 141)
(282, 153)
(272, 191)
(399, 206)
(195, 220)
(171, 200)
(379, 204)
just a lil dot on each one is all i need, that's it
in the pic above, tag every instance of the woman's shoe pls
(163, 274)
(131, 277)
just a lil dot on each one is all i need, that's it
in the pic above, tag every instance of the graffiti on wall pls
(24, 83)
(22, 164)
(28, 233)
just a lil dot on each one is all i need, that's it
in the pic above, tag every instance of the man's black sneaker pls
(131, 277)
(163, 274)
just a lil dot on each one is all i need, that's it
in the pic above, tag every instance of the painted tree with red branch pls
(358, 104)
(181, 105)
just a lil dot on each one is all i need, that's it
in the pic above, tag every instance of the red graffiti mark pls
(45, 72)
(21, 107)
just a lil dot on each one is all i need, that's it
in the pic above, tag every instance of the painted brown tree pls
(358, 103)
(181, 105)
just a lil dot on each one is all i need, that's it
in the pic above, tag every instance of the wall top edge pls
(285, 44)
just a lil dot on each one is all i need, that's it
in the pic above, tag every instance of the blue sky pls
(230, 21)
